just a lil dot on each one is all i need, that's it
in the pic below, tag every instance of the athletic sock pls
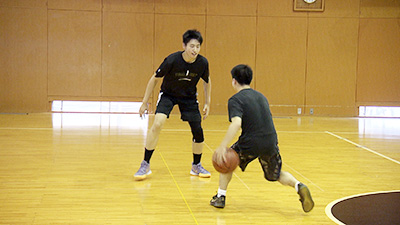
(297, 186)
(221, 192)
(147, 154)
(196, 158)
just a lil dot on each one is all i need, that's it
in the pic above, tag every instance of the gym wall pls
(329, 62)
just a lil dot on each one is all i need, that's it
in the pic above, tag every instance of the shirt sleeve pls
(164, 68)
(234, 108)
(206, 73)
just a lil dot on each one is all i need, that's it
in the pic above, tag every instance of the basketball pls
(232, 161)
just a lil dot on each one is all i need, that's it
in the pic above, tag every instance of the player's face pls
(192, 49)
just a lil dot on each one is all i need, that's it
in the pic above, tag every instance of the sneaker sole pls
(218, 206)
(141, 177)
(307, 203)
(202, 175)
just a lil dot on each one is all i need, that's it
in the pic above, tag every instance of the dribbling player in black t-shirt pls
(249, 110)
(180, 72)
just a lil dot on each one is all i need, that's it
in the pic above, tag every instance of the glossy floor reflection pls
(76, 168)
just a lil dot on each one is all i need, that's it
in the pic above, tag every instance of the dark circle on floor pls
(371, 208)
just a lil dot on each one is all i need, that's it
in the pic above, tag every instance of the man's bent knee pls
(159, 121)
(271, 176)
(197, 132)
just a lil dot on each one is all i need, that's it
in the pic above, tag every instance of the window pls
(379, 111)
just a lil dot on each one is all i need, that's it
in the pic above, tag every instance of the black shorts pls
(188, 107)
(270, 164)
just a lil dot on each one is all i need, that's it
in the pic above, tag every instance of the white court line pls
(188, 130)
(363, 147)
(233, 172)
(309, 181)
(295, 132)
(177, 130)
(328, 208)
(25, 128)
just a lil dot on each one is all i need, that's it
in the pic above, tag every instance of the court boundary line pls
(304, 177)
(172, 130)
(300, 132)
(328, 208)
(362, 147)
(179, 189)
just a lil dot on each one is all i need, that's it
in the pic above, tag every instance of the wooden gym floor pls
(77, 169)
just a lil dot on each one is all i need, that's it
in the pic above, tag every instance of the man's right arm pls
(149, 89)
(233, 129)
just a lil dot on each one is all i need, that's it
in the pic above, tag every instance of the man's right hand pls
(143, 109)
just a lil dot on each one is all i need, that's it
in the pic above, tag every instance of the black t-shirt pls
(181, 77)
(258, 130)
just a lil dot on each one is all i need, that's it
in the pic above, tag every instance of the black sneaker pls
(218, 202)
(305, 198)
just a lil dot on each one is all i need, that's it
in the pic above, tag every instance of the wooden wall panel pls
(283, 8)
(232, 7)
(331, 65)
(24, 3)
(281, 62)
(74, 53)
(378, 77)
(127, 53)
(93, 5)
(141, 6)
(23, 60)
(93, 44)
(380, 9)
(179, 7)
(230, 41)
(339, 9)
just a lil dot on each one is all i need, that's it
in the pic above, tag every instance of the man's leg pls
(151, 143)
(197, 149)
(218, 200)
(272, 171)
(287, 179)
(154, 132)
(305, 196)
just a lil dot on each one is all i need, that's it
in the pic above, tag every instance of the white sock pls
(297, 186)
(221, 192)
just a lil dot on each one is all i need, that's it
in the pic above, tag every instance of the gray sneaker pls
(143, 171)
(198, 170)
(218, 202)
(305, 198)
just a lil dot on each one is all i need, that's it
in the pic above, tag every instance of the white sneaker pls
(198, 170)
(143, 171)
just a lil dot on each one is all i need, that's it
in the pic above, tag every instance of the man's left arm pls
(207, 98)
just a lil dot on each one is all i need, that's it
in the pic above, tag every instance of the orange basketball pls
(232, 161)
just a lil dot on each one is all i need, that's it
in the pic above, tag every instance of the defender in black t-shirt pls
(181, 77)
(249, 110)
(180, 71)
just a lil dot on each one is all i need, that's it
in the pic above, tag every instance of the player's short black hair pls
(192, 34)
(242, 74)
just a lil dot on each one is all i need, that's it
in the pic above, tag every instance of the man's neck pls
(187, 58)
(241, 87)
